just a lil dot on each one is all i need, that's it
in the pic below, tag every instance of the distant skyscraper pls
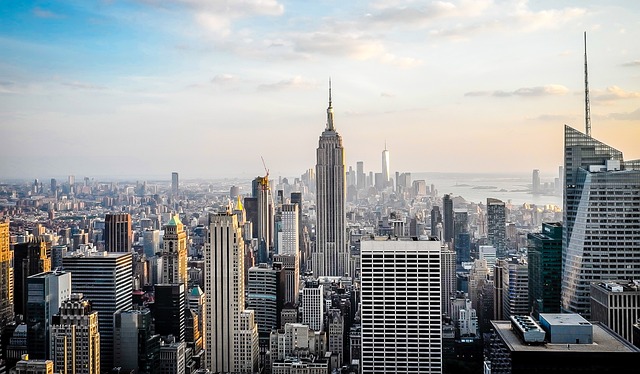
(265, 217)
(174, 253)
(385, 166)
(46, 293)
(151, 242)
(497, 226)
(175, 189)
(535, 181)
(331, 255)
(447, 218)
(436, 218)
(544, 255)
(361, 177)
(396, 276)
(600, 218)
(448, 284)
(228, 324)
(105, 279)
(291, 271)
(289, 238)
(265, 288)
(75, 339)
(117, 232)
(6, 276)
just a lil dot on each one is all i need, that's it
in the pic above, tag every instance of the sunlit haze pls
(207, 88)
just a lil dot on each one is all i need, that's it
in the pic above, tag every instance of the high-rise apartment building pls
(174, 253)
(105, 279)
(227, 321)
(497, 226)
(75, 339)
(6, 276)
(544, 255)
(401, 320)
(175, 189)
(117, 232)
(45, 294)
(331, 254)
(600, 218)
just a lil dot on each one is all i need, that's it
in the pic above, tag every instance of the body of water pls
(477, 187)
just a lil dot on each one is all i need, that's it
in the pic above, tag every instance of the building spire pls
(587, 110)
(330, 111)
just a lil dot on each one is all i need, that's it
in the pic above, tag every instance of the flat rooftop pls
(604, 340)
(564, 319)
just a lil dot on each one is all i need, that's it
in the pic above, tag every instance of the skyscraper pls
(289, 238)
(46, 293)
(75, 339)
(600, 218)
(361, 177)
(117, 232)
(385, 166)
(535, 181)
(265, 217)
(174, 253)
(400, 309)
(544, 254)
(313, 306)
(331, 255)
(174, 184)
(447, 217)
(228, 324)
(497, 226)
(28, 259)
(104, 278)
(169, 310)
(136, 347)
(6, 276)
(436, 218)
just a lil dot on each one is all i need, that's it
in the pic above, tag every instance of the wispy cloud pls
(626, 116)
(83, 85)
(224, 79)
(295, 83)
(44, 13)
(539, 91)
(632, 63)
(552, 118)
(613, 93)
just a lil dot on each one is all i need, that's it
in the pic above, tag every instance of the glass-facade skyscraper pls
(601, 217)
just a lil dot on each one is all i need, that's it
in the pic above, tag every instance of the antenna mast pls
(587, 110)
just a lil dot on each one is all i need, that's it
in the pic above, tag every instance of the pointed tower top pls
(330, 112)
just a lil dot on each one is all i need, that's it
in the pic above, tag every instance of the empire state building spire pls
(330, 112)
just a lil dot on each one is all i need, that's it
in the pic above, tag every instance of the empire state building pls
(331, 255)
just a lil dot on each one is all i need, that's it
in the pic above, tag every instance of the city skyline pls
(104, 89)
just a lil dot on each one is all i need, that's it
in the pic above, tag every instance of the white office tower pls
(401, 320)
(75, 340)
(288, 239)
(228, 349)
(331, 254)
(601, 229)
(313, 306)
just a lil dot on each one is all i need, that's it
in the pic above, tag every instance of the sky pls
(210, 88)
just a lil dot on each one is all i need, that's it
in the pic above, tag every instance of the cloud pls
(548, 90)
(387, 95)
(632, 63)
(613, 93)
(356, 46)
(627, 116)
(295, 83)
(83, 86)
(223, 79)
(552, 118)
(43, 13)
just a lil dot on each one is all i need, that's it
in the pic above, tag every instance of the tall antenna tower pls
(587, 110)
